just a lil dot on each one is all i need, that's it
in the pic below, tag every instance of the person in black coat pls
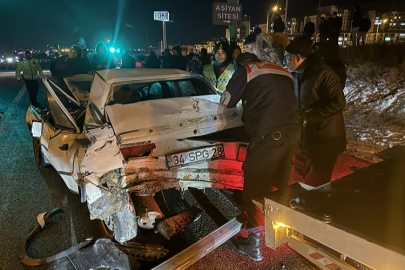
(166, 59)
(258, 30)
(102, 59)
(127, 60)
(309, 29)
(356, 25)
(323, 30)
(178, 60)
(365, 25)
(320, 101)
(335, 24)
(152, 61)
(203, 60)
(278, 25)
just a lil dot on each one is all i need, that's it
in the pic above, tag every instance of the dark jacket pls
(365, 25)
(278, 26)
(166, 60)
(258, 30)
(127, 61)
(320, 102)
(65, 67)
(335, 24)
(106, 62)
(356, 19)
(324, 29)
(268, 100)
(179, 62)
(309, 29)
(152, 62)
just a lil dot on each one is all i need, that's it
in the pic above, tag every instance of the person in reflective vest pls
(31, 70)
(219, 73)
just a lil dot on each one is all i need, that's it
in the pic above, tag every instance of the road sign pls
(225, 14)
(161, 16)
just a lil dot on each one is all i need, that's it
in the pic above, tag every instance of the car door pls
(61, 132)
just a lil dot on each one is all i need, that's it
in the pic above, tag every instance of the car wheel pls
(107, 227)
(39, 156)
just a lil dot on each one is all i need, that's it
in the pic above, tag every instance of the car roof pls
(133, 74)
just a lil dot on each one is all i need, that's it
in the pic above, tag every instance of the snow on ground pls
(375, 111)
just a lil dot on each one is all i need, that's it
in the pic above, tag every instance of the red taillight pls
(135, 151)
(242, 152)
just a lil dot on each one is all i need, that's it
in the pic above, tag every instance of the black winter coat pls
(356, 19)
(324, 29)
(320, 102)
(309, 29)
(334, 26)
(179, 62)
(365, 25)
(278, 26)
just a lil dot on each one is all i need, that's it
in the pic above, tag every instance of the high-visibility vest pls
(30, 68)
(223, 79)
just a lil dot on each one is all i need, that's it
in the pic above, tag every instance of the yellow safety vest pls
(223, 79)
(30, 68)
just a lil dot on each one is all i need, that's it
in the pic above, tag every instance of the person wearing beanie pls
(320, 102)
(178, 60)
(219, 73)
(270, 119)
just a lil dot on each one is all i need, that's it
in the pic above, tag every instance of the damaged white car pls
(120, 136)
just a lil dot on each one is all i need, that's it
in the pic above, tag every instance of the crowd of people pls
(330, 29)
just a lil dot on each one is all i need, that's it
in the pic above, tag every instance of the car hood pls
(173, 118)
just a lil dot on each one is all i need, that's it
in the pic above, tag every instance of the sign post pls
(164, 17)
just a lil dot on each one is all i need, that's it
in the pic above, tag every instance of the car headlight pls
(10, 60)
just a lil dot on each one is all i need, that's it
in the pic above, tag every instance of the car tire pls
(39, 156)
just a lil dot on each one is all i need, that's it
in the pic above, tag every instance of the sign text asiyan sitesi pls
(224, 14)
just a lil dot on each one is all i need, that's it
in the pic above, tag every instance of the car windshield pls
(136, 92)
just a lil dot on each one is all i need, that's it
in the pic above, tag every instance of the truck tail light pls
(135, 151)
(242, 152)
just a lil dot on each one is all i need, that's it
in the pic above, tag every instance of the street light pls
(274, 10)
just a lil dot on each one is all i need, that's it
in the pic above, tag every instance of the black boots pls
(251, 246)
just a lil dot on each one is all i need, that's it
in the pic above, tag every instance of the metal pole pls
(232, 28)
(268, 21)
(317, 18)
(285, 15)
(164, 36)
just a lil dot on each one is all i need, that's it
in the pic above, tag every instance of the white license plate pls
(195, 156)
(36, 129)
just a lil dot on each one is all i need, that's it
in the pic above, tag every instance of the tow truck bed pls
(360, 216)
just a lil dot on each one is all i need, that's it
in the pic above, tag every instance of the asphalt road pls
(26, 191)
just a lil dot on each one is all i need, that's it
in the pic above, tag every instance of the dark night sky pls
(36, 23)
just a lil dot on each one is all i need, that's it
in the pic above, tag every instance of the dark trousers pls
(267, 166)
(32, 87)
(318, 170)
